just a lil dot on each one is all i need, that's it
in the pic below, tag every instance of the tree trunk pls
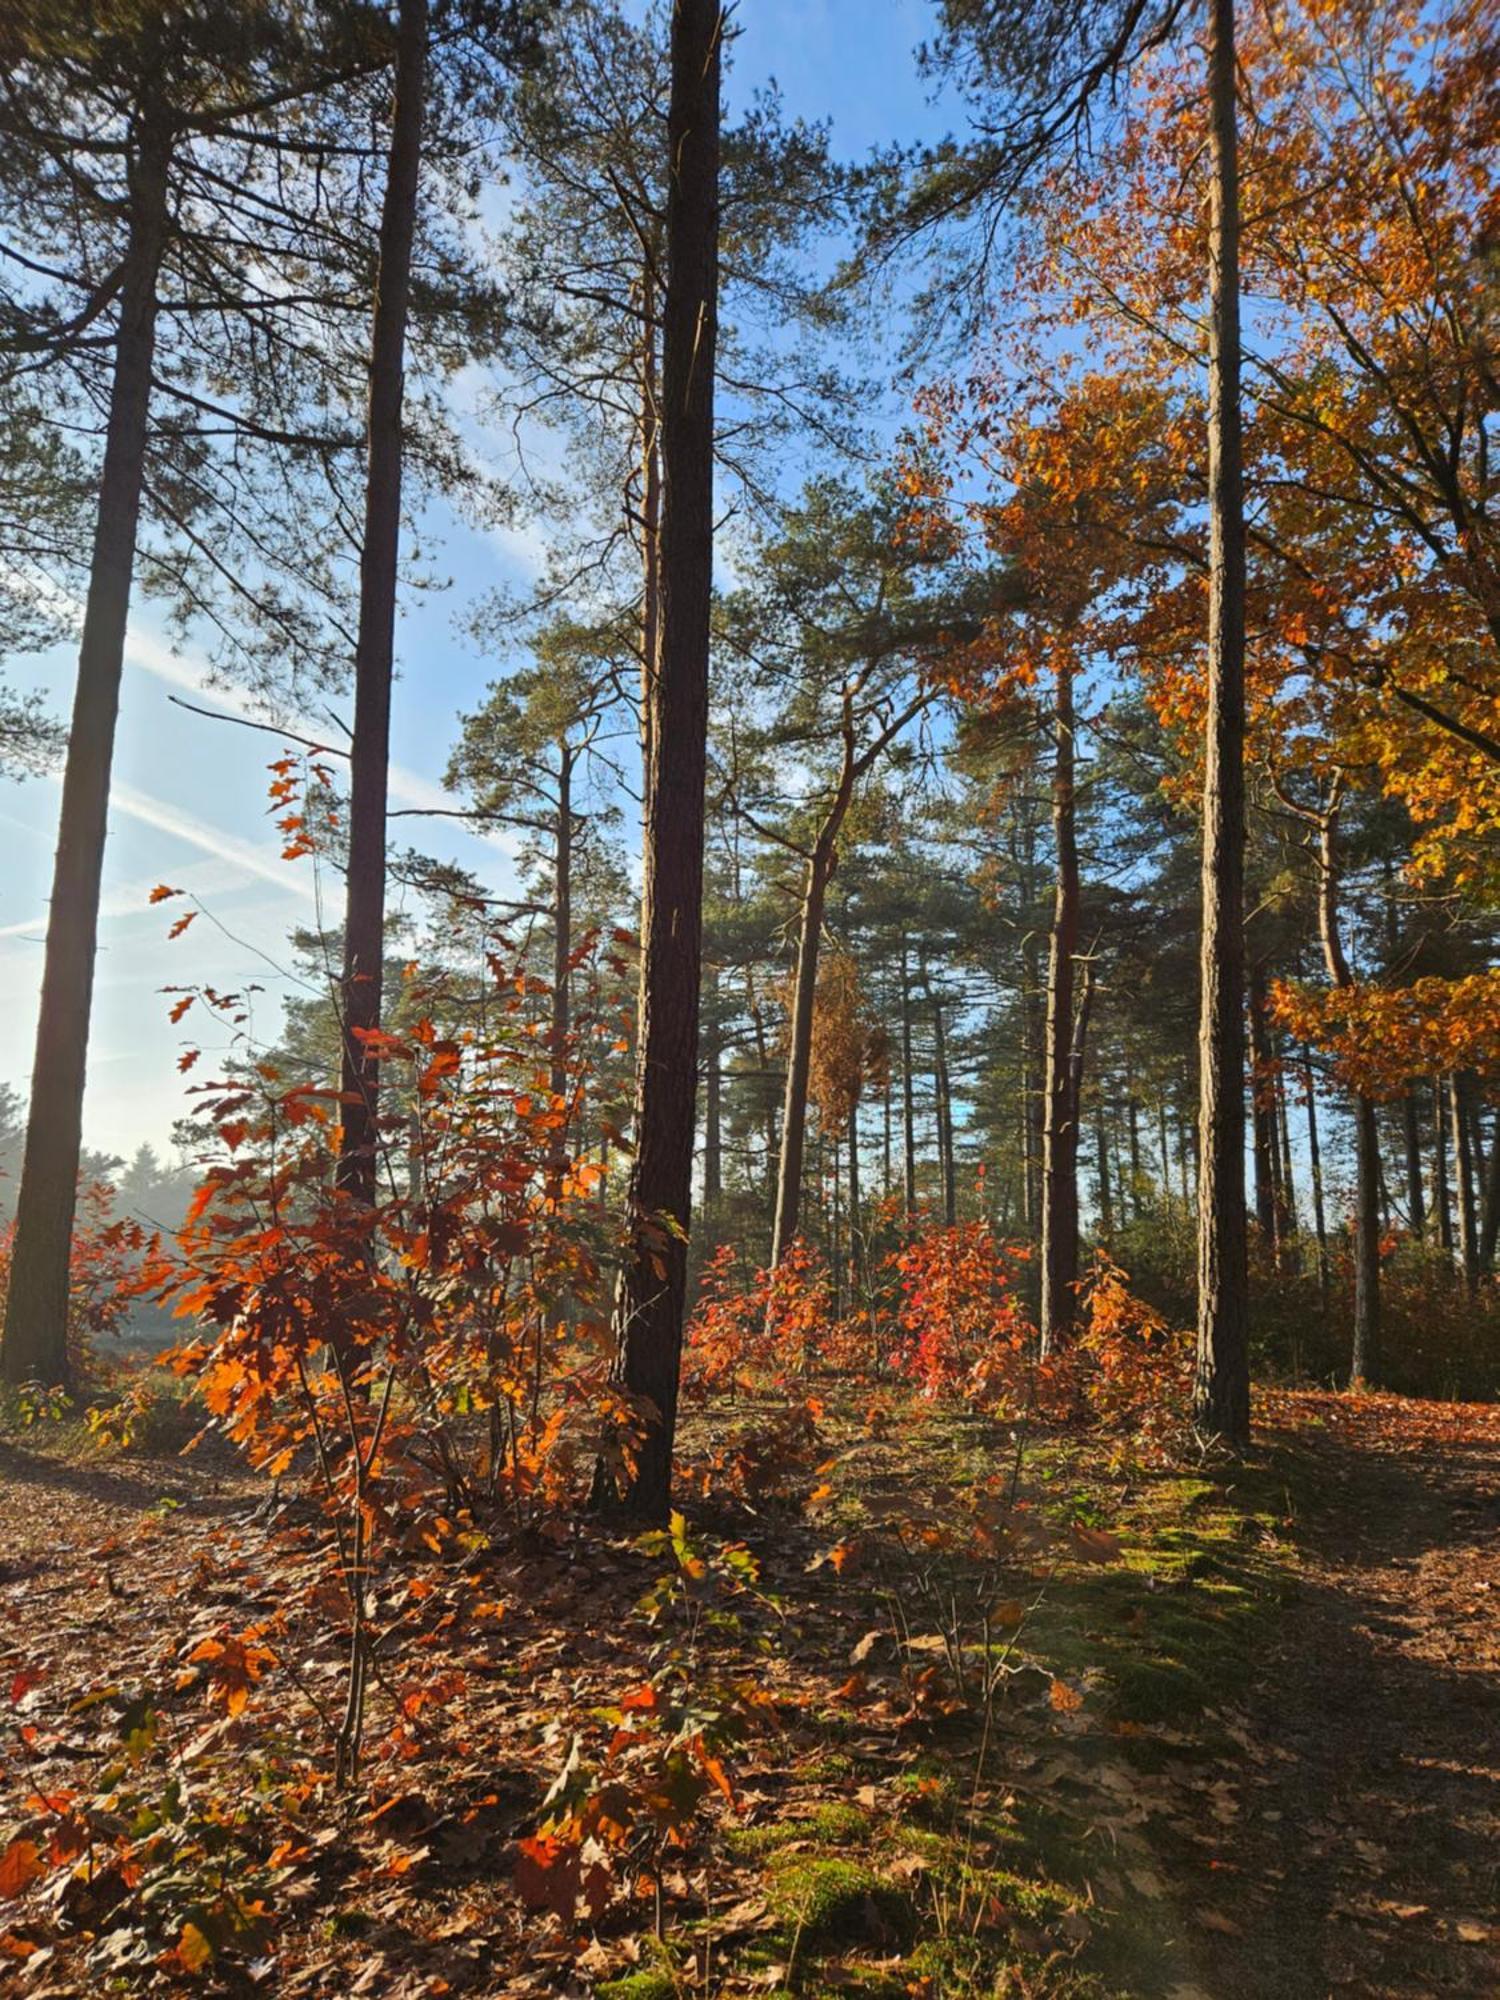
(374, 648)
(35, 1344)
(944, 1092)
(1060, 1129)
(1315, 1175)
(1221, 1395)
(1288, 1183)
(1365, 1357)
(856, 1217)
(1133, 1128)
(1489, 1228)
(908, 1101)
(799, 1053)
(1463, 1183)
(713, 1101)
(650, 515)
(1101, 1156)
(653, 1281)
(561, 1023)
(1262, 1122)
(1440, 1168)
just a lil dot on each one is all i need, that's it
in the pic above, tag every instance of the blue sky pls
(189, 804)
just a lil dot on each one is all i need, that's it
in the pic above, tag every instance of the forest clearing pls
(751, 758)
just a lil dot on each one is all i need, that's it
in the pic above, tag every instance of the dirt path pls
(1367, 1837)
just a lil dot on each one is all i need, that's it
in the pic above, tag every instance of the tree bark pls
(799, 1051)
(1060, 1128)
(1287, 1188)
(1440, 1169)
(1101, 1158)
(1364, 1359)
(1489, 1228)
(1221, 1395)
(653, 1281)
(713, 1101)
(908, 1099)
(650, 514)
(35, 1346)
(1411, 1134)
(1315, 1175)
(1263, 1114)
(943, 1089)
(1463, 1183)
(856, 1217)
(374, 649)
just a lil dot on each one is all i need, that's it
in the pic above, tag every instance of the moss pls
(639, 1986)
(834, 1823)
(826, 1903)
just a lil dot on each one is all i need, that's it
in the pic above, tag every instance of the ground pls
(1039, 1719)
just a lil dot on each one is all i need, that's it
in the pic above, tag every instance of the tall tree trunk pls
(1060, 1130)
(1262, 1121)
(856, 1216)
(1489, 1227)
(1288, 1180)
(653, 1280)
(1365, 1357)
(713, 1099)
(1411, 1137)
(1463, 1182)
(763, 1061)
(1101, 1160)
(650, 512)
(1221, 1395)
(908, 1098)
(944, 1092)
(1315, 1174)
(374, 647)
(1133, 1129)
(35, 1346)
(799, 1052)
(1440, 1168)
(1163, 1145)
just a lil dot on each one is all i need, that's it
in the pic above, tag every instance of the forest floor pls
(1038, 1721)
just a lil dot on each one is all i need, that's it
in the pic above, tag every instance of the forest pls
(822, 1315)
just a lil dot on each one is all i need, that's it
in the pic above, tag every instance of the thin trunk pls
(1288, 1184)
(1163, 1145)
(1262, 1128)
(1221, 1395)
(856, 1212)
(1315, 1174)
(653, 1280)
(944, 1093)
(908, 1097)
(650, 517)
(1101, 1156)
(374, 647)
(1440, 1168)
(1489, 1228)
(1463, 1183)
(1133, 1128)
(1060, 1131)
(713, 1100)
(1033, 1116)
(887, 1137)
(1364, 1360)
(36, 1312)
(799, 1053)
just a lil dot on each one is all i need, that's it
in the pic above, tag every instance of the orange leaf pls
(20, 1865)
